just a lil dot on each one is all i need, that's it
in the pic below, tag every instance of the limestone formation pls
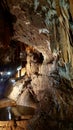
(42, 40)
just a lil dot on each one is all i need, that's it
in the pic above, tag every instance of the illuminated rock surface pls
(46, 53)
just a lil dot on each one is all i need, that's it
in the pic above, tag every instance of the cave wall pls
(30, 29)
(50, 81)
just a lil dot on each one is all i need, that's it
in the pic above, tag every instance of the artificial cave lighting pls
(21, 72)
(9, 73)
(19, 68)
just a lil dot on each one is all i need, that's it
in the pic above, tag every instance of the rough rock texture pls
(30, 29)
(35, 80)
(33, 33)
(56, 107)
(15, 90)
(48, 81)
(27, 29)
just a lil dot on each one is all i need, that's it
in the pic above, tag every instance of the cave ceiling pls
(25, 25)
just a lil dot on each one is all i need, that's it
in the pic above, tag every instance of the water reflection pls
(12, 113)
